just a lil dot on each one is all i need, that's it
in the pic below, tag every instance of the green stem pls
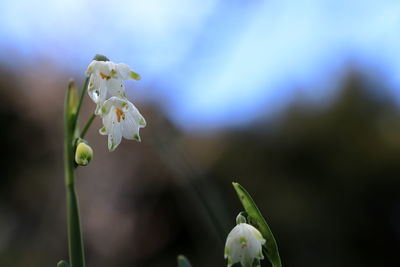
(87, 125)
(78, 109)
(75, 243)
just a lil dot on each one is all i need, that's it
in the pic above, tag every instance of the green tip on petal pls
(112, 148)
(135, 76)
(137, 137)
(227, 251)
(99, 57)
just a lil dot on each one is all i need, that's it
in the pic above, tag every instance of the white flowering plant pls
(246, 243)
(105, 85)
(250, 239)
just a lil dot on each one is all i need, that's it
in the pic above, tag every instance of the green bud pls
(99, 57)
(83, 154)
(72, 98)
(240, 219)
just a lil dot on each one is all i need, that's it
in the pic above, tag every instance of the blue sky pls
(212, 63)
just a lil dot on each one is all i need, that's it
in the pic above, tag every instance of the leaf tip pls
(237, 187)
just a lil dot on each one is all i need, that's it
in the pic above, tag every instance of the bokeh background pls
(299, 101)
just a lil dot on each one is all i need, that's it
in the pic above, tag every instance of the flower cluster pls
(107, 90)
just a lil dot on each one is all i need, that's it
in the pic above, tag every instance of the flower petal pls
(116, 87)
(130, 128)
(136, 115)
(108, 120)
(109, 105)
(103, 131)
(96, 89)
(91, 68)
(114, 134)
(127, 73)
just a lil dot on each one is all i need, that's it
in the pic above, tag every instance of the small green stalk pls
(75, 243)
(87, 125)
(78, 108)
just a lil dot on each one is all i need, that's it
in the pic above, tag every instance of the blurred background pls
(299, 101)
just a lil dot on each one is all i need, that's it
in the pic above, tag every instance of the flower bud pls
(72, 97)
(83, 154)
(244, 245)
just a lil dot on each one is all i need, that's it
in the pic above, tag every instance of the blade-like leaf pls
(183, 261)
(256, 219)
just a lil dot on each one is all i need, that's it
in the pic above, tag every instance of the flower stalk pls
(75, 242)
(78, 108)
(87, 125)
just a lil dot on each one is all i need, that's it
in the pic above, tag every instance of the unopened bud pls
(73, 97)
(83, 154)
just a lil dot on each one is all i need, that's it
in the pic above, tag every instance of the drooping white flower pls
(244, 244)
(107, 78)
(120, 118)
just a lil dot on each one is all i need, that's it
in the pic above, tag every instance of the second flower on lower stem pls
(120, 118)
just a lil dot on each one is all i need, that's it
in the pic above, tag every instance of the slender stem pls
(75, 243)
(87, 125)
(68, 136)
(78, 109)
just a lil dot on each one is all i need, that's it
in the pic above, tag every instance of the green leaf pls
(257, 220)
(62, 264)
(183, 261)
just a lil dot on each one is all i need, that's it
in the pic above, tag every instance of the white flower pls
(120, 118)
(244, 244)
(107, 78)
